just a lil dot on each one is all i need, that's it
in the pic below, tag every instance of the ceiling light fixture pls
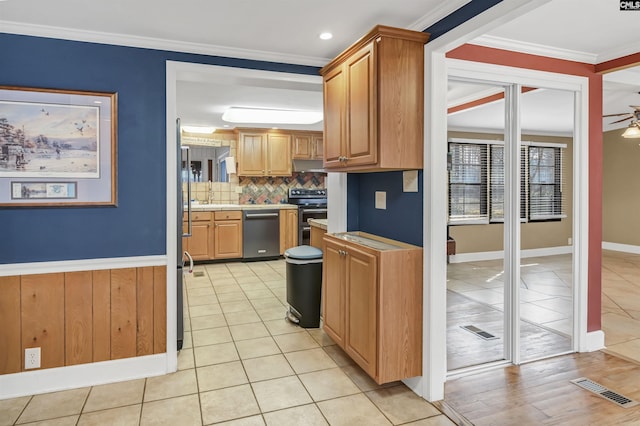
(326, 36)
(198, 129)
(270, 116)
(633, 131)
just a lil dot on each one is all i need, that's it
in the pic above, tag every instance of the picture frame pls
(57, 147)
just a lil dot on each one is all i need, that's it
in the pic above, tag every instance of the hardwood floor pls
(540, 393)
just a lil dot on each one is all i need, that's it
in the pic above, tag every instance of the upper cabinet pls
(264, 154)
(374, 103)
(307, 146)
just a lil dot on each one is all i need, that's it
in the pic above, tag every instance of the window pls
(476, 182)
(467, 182)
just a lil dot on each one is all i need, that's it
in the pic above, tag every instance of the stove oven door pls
(304, 214)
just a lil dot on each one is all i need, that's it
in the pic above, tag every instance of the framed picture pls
(57, 147)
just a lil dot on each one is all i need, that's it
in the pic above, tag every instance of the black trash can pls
(304, 284)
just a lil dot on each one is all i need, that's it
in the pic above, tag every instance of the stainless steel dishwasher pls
(260, 234)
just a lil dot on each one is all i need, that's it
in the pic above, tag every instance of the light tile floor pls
(242, 364)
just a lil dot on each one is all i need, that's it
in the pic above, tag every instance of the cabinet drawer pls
(228, 215)
(197, 216)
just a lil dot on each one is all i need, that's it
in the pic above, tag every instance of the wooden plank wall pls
(82, 317)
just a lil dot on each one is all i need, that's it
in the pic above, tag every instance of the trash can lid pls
(303, 252)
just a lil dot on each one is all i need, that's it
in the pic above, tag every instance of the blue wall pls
(137, 226)
(402, 219)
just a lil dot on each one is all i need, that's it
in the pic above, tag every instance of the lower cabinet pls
(227, 235)
(288, 229)
(315, 238)
(200, 243)
(372, 303)
(214, 235)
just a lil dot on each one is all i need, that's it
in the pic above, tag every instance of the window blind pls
(467, 182)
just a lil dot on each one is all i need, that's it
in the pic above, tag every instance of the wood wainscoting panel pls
(42, 317)
(101, 315)
(144, 311)
(159, 309)
(123, 313)
(78, 317)
(10, 342)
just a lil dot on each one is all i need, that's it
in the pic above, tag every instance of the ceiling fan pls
(633, 131)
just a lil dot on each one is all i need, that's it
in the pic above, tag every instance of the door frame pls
(435, 228)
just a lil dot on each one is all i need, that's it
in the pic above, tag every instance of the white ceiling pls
(287, 31)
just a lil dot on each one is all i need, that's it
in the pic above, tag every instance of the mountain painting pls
(49, 140)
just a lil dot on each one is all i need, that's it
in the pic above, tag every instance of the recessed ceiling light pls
(198, 129)
(326, 36)
(270, 116)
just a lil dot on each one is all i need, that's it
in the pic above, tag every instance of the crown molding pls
(445, 9)
(620, 52)
(156, 43)
(535, 49)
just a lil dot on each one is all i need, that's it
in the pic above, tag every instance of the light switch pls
(410, 181)
(381, 200)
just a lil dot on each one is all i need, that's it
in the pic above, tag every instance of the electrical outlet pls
(569, 241)
(31, 358)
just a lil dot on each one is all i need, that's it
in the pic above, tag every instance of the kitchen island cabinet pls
(373, 103)
(372, 303)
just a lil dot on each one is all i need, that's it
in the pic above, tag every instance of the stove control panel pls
(307, 193)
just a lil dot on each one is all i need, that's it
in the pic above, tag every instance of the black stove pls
(312, 204)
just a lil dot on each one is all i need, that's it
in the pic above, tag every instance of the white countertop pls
(318, 223)
(220, 207)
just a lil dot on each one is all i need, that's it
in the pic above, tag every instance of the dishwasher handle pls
(259, 215)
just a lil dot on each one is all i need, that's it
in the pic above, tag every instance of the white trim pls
(498, 142)
(594, 341)
(534, 49)
(336, 202)
(434, 365)
(33, 268)
(440, 11)
(157, 43)
(498, 131)
(77, 376)
(493, 255)
(625, 248)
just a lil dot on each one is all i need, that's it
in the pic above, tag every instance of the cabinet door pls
(316, 148)
(227, 239)
(334, 116)
(361, 308)
(361, 139)
(200, 241)
(251, 154)
(288, 229)
(278, 155)
(333, 291)
(301, 147)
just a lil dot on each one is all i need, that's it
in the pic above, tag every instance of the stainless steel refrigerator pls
(182, 256)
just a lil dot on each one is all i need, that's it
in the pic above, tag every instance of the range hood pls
(314, 166)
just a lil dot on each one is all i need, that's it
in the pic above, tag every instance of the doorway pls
(518, 306)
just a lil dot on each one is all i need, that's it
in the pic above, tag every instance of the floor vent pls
(198, 273)
(600, 390)
(478, 332)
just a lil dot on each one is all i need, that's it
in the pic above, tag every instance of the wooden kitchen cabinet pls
(200, 244)
(315, 236)
(288, 229)
(373, 103)
(307, 146)
(372, 303)
(227, 235)
(264, 154)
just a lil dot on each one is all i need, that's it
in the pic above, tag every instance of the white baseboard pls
(626, 248)
(81, 265)
(78, 376)
(593, 342)
(493, 255)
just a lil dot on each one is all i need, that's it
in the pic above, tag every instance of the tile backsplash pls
(275, 190)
